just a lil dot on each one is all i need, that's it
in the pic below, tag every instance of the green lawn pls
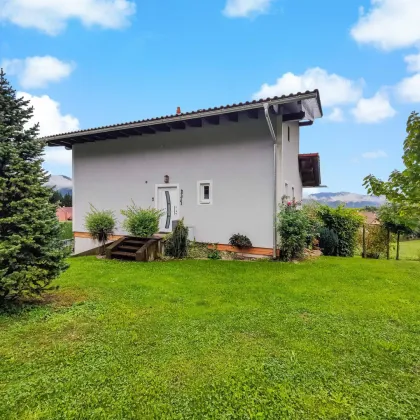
(410, 250)
(331, 339)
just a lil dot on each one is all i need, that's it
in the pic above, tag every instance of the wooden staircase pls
(131, 248)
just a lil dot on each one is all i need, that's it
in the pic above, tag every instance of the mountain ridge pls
(352, 200)
(61, 183)
(64, 185)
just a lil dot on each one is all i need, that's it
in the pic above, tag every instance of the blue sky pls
(97, 62)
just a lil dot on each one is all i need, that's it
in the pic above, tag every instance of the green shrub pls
(141, 222)
(214, 254)
(328, 241)
(314, 223)
(292, 228)
(376, 238)
(176, 245)
(240, 241)
(66, 230)
(345, 222)
(100, 224)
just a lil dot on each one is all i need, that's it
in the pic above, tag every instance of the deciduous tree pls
(403, 187)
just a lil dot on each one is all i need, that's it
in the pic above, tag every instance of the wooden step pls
(134, 242)
(123, 254)
(124, 247)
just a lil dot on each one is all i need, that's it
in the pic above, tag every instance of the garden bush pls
(376, 238)
(314, 223)
(176, 245)
(293, 229)
(214, 253)
(345, 222)
(66, 230)
(100, 224)
(328, 241)
(141, 222)
(240, 241)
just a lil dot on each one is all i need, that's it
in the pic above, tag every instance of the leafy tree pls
(396, 221)
(403, 187)
(67, 200)
(31, 255)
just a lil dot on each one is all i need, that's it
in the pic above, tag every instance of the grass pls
(410, 250)
(330, 339)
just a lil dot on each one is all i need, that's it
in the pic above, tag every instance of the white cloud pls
(57, 156)
(413, 62)
(336, 115)
(374, 155)
(334, 89)
(47, 112)
(246, 8)
(389, 24)
(307, 192)
(408, 90)
(37, 72)
(51, 16)
(373, 110)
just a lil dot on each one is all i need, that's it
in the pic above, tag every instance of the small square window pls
(205, 192)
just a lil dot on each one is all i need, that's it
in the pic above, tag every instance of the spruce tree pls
(31, 255)
(67, 200)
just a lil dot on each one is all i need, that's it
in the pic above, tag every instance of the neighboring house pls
(224, 170)
(64, 214)
(370, 218)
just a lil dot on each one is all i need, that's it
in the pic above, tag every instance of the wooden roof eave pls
(173, 122)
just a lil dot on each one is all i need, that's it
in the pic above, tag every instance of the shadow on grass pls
(56, 300)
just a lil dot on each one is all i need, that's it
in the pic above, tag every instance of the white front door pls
(168, 202)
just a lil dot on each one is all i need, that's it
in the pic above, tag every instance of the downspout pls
(273, 135)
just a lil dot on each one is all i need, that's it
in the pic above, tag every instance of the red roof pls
(64, 213)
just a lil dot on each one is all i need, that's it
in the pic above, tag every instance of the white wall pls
(291, 160)
(237, 157)
(288, 146)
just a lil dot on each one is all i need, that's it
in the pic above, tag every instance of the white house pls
(224, 170)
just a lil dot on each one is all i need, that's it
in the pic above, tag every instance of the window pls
(288, 132)
(293, 193)
(205, 192)
(286, 190)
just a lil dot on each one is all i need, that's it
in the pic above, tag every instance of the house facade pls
(64, 214)
(223, 170)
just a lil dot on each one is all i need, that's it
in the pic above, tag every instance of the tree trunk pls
(398, 246)
(388, 243)
(364, 242)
